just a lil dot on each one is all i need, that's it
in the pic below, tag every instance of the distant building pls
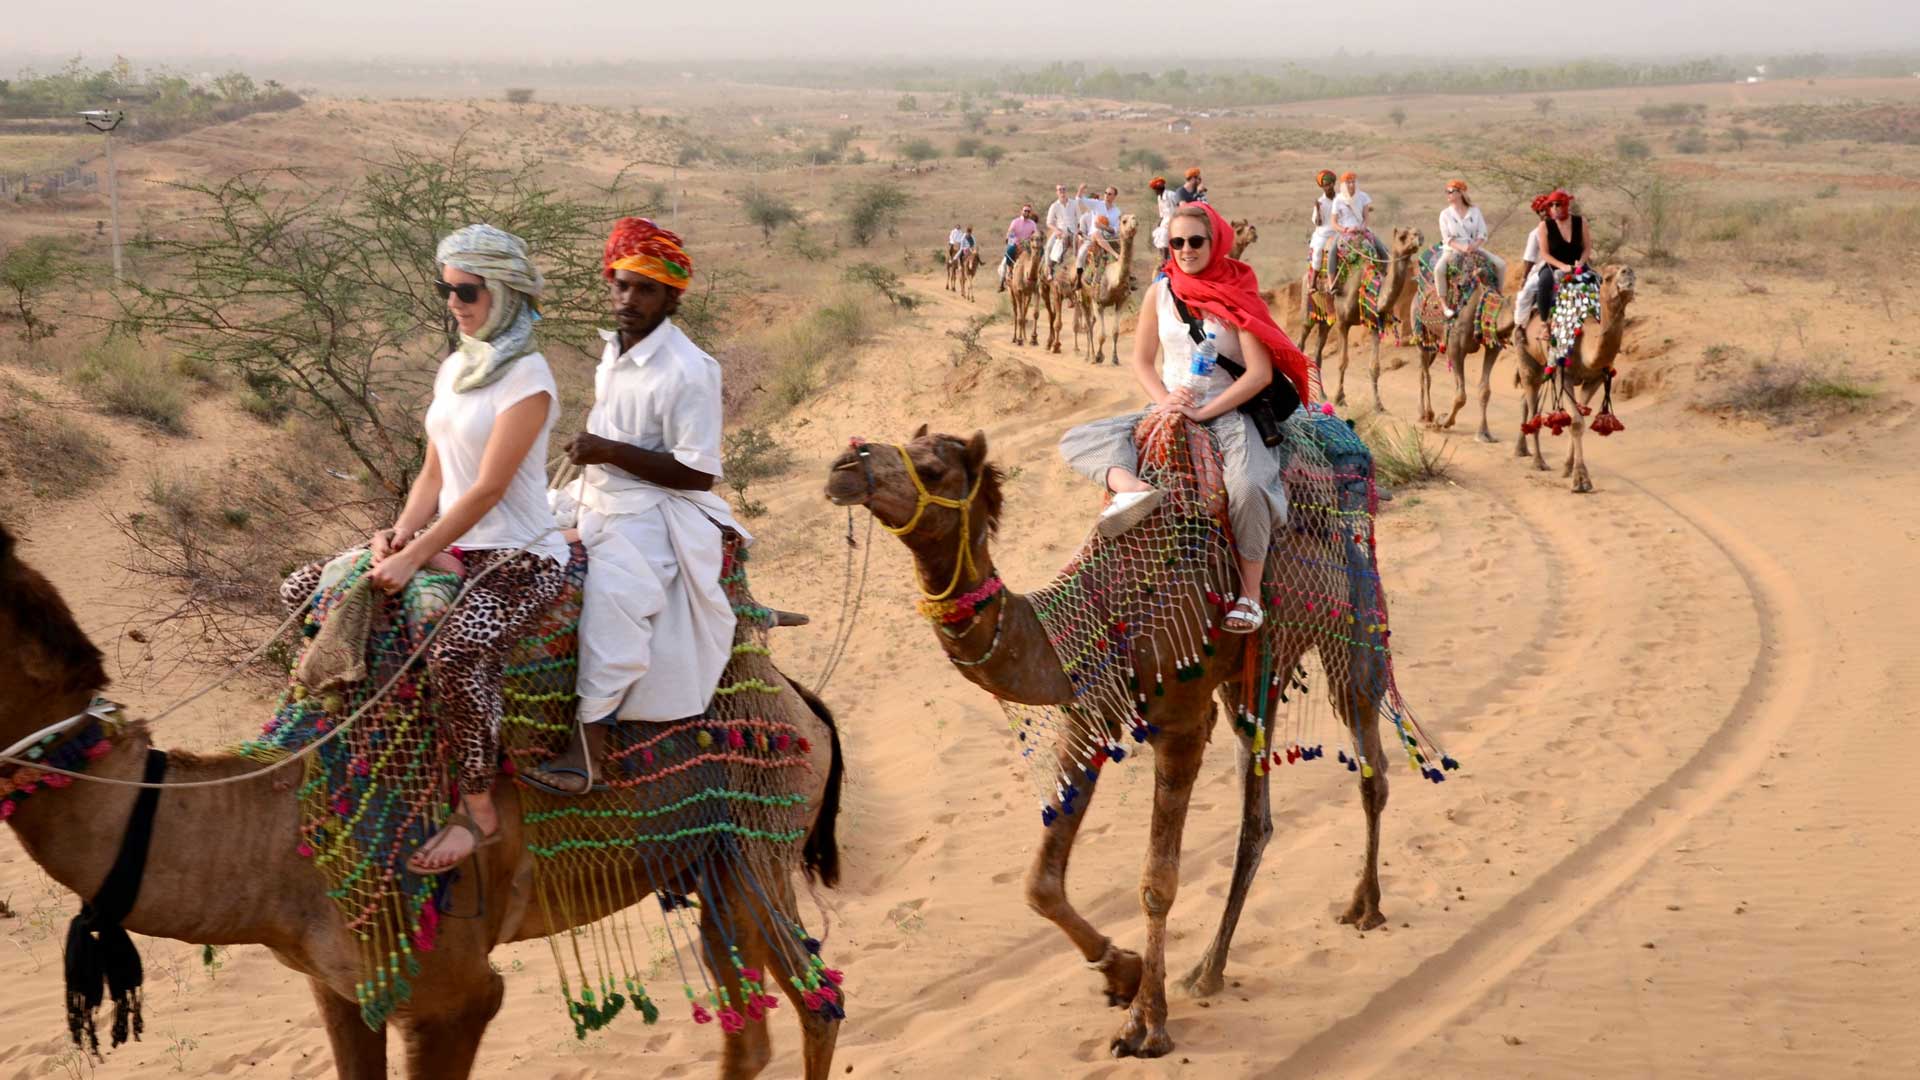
(1181, 126)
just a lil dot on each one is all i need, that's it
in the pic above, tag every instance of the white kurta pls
(656, 628)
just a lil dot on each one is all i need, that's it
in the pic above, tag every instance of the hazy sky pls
(979, 29)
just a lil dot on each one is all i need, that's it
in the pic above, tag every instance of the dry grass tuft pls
(127, 379)
(42, 451)
(1782, 390)
(1403, 456)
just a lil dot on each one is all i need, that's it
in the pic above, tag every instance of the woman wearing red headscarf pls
(1222, 296)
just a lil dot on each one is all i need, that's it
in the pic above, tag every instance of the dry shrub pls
(127, 379)
(1403, 456)
(1781, 390)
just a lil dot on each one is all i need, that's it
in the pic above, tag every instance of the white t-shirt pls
(459, 425)
(1532, 254)
(663, 395)
(956, 237)
(1469, 227)
(1350, 211)
(1176, 345)
(1064, 216)
(1323, 212)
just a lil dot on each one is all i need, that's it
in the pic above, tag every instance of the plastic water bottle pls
(1200, 371)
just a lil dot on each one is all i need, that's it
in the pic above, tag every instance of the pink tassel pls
(701, 1015)
(732, 1022)
(833, 976)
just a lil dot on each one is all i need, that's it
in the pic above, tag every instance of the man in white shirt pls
(1063, 224)
(1323, 229)
(656, 627)
(1092, 232)
(1530, 258)
(955, 239)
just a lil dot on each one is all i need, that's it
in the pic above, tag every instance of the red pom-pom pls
(805, 746)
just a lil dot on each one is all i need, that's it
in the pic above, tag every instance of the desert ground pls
(1679, 843)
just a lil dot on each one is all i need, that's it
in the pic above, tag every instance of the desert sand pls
(1680, 841)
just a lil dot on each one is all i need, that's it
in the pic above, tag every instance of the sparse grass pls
(1781, 390)
(127, 379)
(44, 451)
(802, 357)
(1403, 456)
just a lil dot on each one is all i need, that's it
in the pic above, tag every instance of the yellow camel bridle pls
(923, 499)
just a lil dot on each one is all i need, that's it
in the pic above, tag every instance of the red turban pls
(1157, 183)
(1228, 290)
(1539, 204)
(639, 245)
(1559, 198)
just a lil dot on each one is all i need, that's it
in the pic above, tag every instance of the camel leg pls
(1256, 828)
(1176, 761)
(443, 1044)
(1488, 358)
(1577, 453)
(1346, 346)
(359, 1052)
(1458, 362)
(1047, 896)
(1362, 717)
(1426, 385)
(1378, 405)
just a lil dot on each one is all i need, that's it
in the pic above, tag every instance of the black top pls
(1566, 250)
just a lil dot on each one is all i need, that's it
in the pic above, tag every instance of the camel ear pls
(920, 432)
(976, 451)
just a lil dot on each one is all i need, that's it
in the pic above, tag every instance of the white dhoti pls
(656, 629)
(1317, 244)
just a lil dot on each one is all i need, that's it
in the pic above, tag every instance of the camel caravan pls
(546, 697)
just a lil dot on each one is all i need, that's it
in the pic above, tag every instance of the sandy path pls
(1621, 675)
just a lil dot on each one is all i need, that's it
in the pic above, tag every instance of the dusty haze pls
(980, 29)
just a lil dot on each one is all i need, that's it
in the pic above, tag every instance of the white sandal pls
(1247, 610)
(1127, 509)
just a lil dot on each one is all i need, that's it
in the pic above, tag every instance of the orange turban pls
(1349, 176)
(1323, 177)
(1193, 174)
(1157, 183)
(639, 245)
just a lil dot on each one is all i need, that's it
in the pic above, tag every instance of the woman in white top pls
(1212, 285)
(485, 477)
(1463, 231)
(1353, 212)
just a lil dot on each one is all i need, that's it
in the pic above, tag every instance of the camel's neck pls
(220, 862)
(1004, 649)
(1613, 329)
(1399, 271)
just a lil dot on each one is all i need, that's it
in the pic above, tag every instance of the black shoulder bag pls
(1267, 408)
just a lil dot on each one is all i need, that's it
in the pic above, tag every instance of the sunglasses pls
(467, 291)
(1194, 242)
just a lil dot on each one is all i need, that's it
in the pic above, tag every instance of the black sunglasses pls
(1194, 242)
(466, 291)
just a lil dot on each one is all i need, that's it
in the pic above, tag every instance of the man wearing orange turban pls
(656, 627)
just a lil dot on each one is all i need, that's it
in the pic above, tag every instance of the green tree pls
(874, 208)
(336, 286)
(1543, 105)
(1399, 117)
(992, 154)
(768, 211)
(29, 271)
(235, 86)
(919, 151)
(966, 146)
(908, 103)
(1740, 136)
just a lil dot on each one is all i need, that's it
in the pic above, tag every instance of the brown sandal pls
(455, 820)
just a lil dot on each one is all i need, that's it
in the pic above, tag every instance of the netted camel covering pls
(713, 807)
(1130, 615)
(1466, 273)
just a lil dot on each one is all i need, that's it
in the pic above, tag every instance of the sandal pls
(1248, 612)
(537, 784)
(455, 820)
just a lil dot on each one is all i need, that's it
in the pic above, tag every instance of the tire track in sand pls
(1424, 1001)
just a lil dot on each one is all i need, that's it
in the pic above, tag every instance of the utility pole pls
(104, 121)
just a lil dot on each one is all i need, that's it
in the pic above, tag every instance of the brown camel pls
(1245, 234)
(1107, 284)
(921, 492)
(1589, 368)
(1057, 291)
(1338, 314)
(1023, 288)
(208, 882)
(967, 265)
(1459, 338)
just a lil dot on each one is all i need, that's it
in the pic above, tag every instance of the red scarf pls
(1228, 290)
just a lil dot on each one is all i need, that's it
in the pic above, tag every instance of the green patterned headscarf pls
(515, 285)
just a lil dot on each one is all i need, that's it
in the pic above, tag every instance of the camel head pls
(1244, 235)
(47, 654)
(1129, 226)
(1407, 243)
(1616, 286)
(950, 468)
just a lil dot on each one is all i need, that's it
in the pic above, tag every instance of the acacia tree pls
(28, 272)
(321, 298)
(768, 210)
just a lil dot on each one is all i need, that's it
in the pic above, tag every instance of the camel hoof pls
(1486, 437)
(1202, 981)
(1137, 1039)
(1583, 486)
(1540, 464)
(1362, 916)
(1340, 398)
(1123, 978)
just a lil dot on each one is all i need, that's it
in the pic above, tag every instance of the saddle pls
(1466, 274)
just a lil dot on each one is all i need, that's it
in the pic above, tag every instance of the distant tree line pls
(158, 103)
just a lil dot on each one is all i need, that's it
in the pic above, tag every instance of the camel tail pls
(820, 853)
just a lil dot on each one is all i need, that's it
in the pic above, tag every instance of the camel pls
(923, 492)
(1057, 291)
(1459, 338)
(1023, 288)
(1244, 236)
(967, 265)
(208, 882)
(1107, 285)
(1588, 368)
(1337, 315)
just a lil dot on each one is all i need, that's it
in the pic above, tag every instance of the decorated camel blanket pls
(724, 793)
(1468, 273)
(1130, 616)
